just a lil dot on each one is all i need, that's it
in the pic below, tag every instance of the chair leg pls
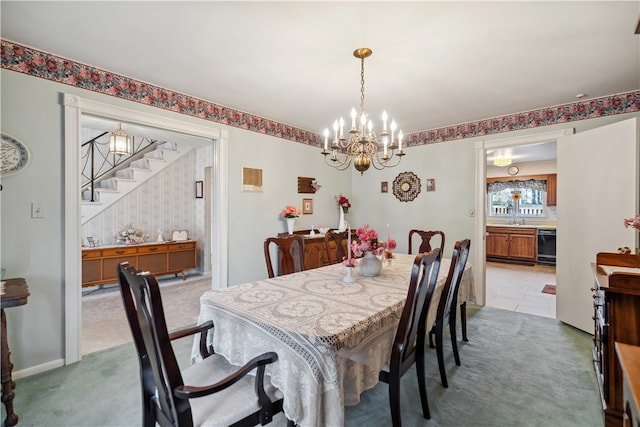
(431, 339)
(422, 386)
(454, 339)
(463, 321)
(439, 352)
(394, 399)
(291, 423)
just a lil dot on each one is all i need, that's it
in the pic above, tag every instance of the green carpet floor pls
(517, 370)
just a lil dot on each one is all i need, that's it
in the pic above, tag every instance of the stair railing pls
(99, 163)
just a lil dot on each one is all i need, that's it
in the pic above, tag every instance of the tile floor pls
(519, 288)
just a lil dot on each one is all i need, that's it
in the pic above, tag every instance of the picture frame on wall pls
(307, 206)
(384, 186)
(199, 189)
(431, 184)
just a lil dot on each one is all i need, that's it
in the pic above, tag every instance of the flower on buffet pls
(343, 202)
(131, 235)
(290, 212)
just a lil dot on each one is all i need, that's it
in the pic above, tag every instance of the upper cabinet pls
(552, 194)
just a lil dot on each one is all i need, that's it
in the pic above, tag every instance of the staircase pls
(110, 190)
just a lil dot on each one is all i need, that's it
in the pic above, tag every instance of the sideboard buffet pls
(99, 265)
(616, 297)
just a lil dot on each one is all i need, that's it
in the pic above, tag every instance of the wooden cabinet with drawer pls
(616, 297)
(512, 244)
(99, 265)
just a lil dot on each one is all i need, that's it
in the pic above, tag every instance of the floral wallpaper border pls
(33, 62)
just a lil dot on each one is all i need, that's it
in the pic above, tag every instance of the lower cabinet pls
(99, 265)
(516, 244)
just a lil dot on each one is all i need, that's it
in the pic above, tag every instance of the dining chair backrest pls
(446, 314)
(339, 252)
(159, 370)
(408, 343)
(165, 396)
(426, 236)
(290, 254)
(452, 285)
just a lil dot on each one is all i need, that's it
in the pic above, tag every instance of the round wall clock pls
(14, 156)
(406, 186)
(513, 170)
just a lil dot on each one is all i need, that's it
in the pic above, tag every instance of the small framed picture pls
(199, 189)
(384, 187)
(307, 206)
(431, 184)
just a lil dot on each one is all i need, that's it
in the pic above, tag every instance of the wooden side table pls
(14, 293)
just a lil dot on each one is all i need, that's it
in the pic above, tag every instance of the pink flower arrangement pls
(290, 212)
(368, 242)
(632, 222)
(343, 202)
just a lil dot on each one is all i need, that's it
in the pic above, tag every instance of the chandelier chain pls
(362, 85)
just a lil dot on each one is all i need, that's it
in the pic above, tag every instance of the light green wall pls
(33, 248)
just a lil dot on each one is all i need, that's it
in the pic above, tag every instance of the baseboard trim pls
(37, 369)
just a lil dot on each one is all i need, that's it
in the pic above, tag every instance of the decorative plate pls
(513, 170)
(14, 156)
(406, 186)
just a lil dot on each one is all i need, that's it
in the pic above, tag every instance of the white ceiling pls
(434, 63)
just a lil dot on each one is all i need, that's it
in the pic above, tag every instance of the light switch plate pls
(37, 209)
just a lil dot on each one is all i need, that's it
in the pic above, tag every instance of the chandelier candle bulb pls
(353, 118)
(341, 129)
(384, 121)
(349, 245)
(326, 139)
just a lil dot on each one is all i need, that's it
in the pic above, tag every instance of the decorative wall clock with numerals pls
(406, 186)
(14, 156)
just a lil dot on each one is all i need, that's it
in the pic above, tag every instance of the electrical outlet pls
(37, 209)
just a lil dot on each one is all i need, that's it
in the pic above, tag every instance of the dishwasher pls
(547, 246)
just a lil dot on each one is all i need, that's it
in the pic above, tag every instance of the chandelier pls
(363, 146)
(120, 142)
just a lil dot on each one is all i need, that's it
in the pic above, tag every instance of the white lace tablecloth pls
(332, 338)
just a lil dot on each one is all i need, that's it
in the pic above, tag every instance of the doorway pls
(74, 108)
(509, 286)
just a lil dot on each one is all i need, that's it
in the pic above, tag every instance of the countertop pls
(552, 226)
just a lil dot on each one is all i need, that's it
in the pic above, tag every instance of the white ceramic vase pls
(290, 223)
(342, 223)
(370, 265)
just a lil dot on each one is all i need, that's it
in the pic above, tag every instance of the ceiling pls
(434, 64)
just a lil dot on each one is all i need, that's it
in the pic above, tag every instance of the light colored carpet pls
(104, 323)
(517, 370)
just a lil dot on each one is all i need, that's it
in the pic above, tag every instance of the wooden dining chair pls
(408, 344)
(446, 314)
(290, 257)
(209, 392)
(426, 236)
(339, 252)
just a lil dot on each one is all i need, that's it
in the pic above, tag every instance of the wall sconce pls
(120, 142)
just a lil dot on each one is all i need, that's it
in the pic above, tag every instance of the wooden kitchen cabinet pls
(616, 303)
(512, 244)
(99, 265)
(552, 193)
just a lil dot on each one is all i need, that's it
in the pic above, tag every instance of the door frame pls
(74, 108)
(481, 147)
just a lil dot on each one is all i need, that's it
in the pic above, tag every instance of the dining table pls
(332, 338)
